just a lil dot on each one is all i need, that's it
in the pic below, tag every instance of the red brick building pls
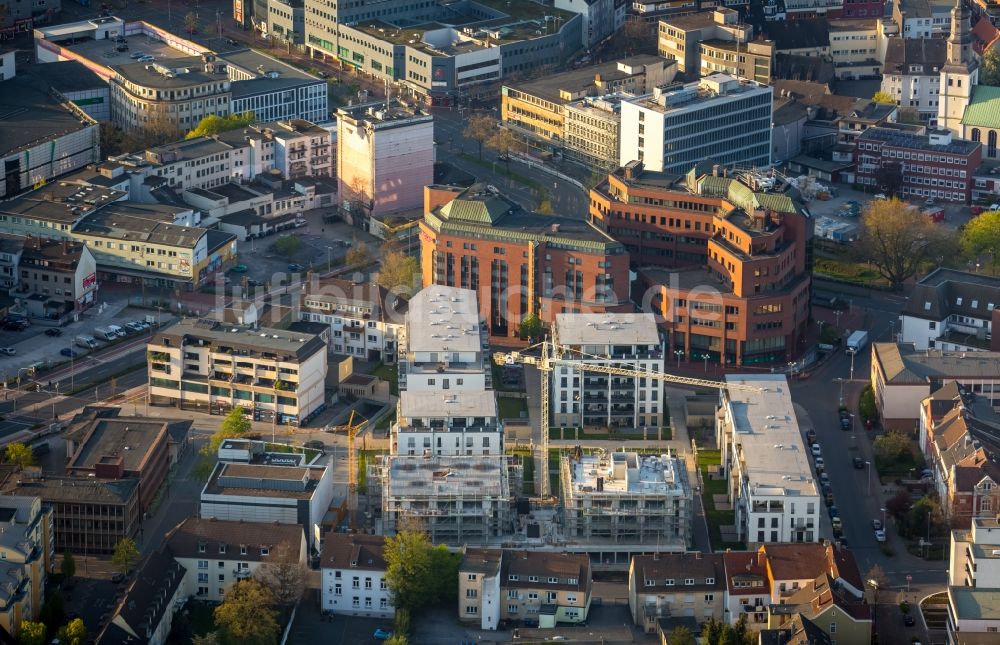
(725, 262)
(519, 262)
(934, 164)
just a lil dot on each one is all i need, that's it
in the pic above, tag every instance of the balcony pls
(241, 574)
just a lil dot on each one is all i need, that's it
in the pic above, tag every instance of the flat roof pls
(903, 139)
(460, 403)
(606, 329)
(170, 73)
(550, 86)
(468, 476)
(131, 439)
(628, 472)
(769, 437)
(975, 603)
(699, 94)
(296, 344)
(122, 225)
(251, 61)
(30, 114)
(442, 319)
(103, 52)
(285, 478)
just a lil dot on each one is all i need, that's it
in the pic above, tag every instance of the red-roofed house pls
(984, 36)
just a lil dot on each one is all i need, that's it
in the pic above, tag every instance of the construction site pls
(625, 498)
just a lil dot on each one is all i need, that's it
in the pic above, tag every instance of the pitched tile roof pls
(146, 600)
(546, 564)
(353, 551)
(706, 570)
(223, 540)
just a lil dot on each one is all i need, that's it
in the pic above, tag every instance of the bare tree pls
(284, 574)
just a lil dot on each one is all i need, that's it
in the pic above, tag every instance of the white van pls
(88, 342)
(118, 331)
(105, 334)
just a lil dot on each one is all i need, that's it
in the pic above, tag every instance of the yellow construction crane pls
(352, 466)
(553, 355)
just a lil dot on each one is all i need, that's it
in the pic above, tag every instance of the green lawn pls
(570, 434)
(707, 458)
(388, 373)
(501, 169)
(847, 270)
(511, 407)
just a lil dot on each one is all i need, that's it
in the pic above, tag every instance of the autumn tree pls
(897, 239)
(284, 574)
(19, 455)
(480, 128)
(211, 638)
(126, 554)
(358, 254)
(502, 142)
(73, 633)
(214, 124)
(531, 327)
(287, 245)
(891, 447)
(989, 69)
(31, 633)
(884, 97)
(981, 237)
(398, 270)
(247, 615)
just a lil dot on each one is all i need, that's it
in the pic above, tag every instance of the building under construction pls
(626, 498)
(458, 499)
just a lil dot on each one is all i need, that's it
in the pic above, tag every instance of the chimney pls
(715, 170)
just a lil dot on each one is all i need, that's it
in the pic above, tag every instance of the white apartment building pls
(952, 311)
(771, 487)
(443, 346)
(582, 398)
(854, 48)
(457, 423)
(719, 118)
(217, 554)
(364, 318)
(600, 18)
(912, 74)
(974, 583)
(208, 365)
(352, 570)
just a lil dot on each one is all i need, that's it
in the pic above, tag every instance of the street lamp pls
(705, 356)
(329, 259)
(852, 352)
(841, 381)
(868, 466)
(791, 368)
(679, 353)
(883, 516)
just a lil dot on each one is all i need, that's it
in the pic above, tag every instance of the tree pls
(214, 124)
(899, 504)
(32, 633)
(397, 639)
(401, 621)
(247, 616)
(981, 236)
(408, 569)
(53, 610)
(890, 178)
(68, 566)
(989, 69)
(531, 327)
(398, 270)
(191, 22)
(284, 575)
(73, 633)
(891, 447)
(287, 245)
(545, 206)
(358, 254)
(640, 37)
(711, 631)
(681, 636)
(867, 407)
(897, 239)
(211, 638)
(444, 564)
(125, 555)
(480, 128)
(884, 97)
(502, 141)
(876, 575)
(19, 455)
(925, 518)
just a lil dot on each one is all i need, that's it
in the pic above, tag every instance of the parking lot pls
(106, 52)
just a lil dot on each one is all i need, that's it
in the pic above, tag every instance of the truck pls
(857, 340)
(105, 334)
(89, 342)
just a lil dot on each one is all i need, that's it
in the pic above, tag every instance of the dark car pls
(296, 267)
(845, 424)
(254, 283)
(909, 620)
(68, 351)
(844, 414)
(53, 332)
(118, 578)
(315, 444)
(859, 463)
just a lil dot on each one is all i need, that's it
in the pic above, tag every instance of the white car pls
(880, 535)
(820, 464)
(877, 524)
(881, 197)
(816, 450)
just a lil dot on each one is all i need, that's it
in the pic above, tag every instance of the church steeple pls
(960, 40)
(959, 74)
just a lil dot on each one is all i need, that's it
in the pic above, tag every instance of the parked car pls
(53, 332)
(315, 444)
(930, 201)
(816, 450)
(810, 436)
(68, 351)
(820, 464)
(975, 209)
(254, 283)
(909, 620)
(8, 351)
(239, 268)
(834, 512)
(382, 634)
(880, 535)
(296, 267)
(881, 196)
(118, 578)
(859, 463)
(876, 524)
(147, 59)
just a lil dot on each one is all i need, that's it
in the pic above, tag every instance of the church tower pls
(960, 72)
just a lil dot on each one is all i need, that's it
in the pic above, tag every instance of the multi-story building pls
(591, 130)
(626, 498)
(209, 365)
(863, 9)
(952, 311)
(463, 422)
(443, 345)
(601, 18)
(352, 570)
(922, 19)
(854, 48)
(217, 554)
(11, 248)
(935, 164)
(155, 595)
(89, 516)
(274, 90)
(364, 318)
(585, 398)
(670, 585)
(536, 108)
(912, 74)
(539, 586)
(519, 262)
(978, 124)
(719, 118)
(974, 582)
(827, 605)
(64, 273)
(771, 483)
(385, 156)
(751, 304)
(753, 60)
(18, 16)
(903, 376)
(287, 20)
(28, 553)
(301, 148)
(679, 38)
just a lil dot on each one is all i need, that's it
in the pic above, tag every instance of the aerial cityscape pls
(442, 322)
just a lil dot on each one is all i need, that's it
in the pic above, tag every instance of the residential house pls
(152, 599)
(364, 318)
(829, 605)
(27, 549)
(670, 585)
(951, 310)
(352, 570)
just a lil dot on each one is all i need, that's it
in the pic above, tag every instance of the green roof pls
(984, 109)
(742, 196)
(486, 211)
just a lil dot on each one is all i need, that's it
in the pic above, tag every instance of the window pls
(669, 582)
(202, 564)
(471, 576)
(833, 628)
(513, 577)
(337, 589)
(689, 581)
(472, 609)
(709, 597)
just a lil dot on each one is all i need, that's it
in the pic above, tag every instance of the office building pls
(286, 20)
(719, 118)
(753, 60)
(592, 129)
(582, 398)
(944, 167)
(601, 18)
(855, 47)
(974, 582)
(274, 90)
(463, 422)
(536, 108)
(544, 587)
(443, 345)
(364, 318)
(952, 311)
(217, 554)
(28, 553)
(725, 259)
(922, 19)
(679, 38)
(385, 156)
(771, 484)
(212, 366)
(903, 376)
(352, 570)
(517, 261)
(626, 498)
(675, 585)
